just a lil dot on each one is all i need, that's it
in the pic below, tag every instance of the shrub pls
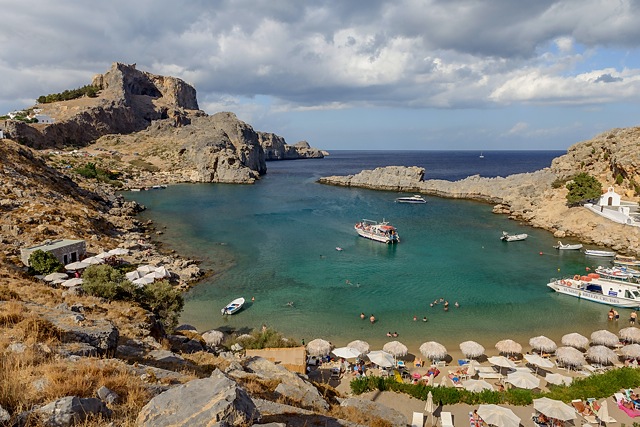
(88, 171)
(619, 179)
(42, 262)
(88, 90)
(164, 301)
(558, 182)
(583, 187)
(104, 281)
(268, 338)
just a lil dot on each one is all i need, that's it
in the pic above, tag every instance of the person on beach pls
(395, 334)
(456, 305)
(389, 334)
(372, 319)
(632, 317)
(610, 314)
(616, 315)
(424, 319)
(446, 304)
(415, 317)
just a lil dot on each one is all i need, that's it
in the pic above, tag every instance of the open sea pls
(276, 241)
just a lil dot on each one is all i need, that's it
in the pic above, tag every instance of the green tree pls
(583, 187)
(44, 262)
(105, 281)
(164, 301)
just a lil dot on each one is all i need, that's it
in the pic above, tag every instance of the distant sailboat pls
(481, 155)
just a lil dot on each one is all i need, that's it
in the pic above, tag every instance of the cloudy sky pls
(374, 74)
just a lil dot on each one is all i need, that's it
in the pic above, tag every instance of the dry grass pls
(257, 387)
(359, 417)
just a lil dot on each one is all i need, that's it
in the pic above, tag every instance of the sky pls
(350, 74)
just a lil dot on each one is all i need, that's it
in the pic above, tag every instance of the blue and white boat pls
(378, 231)
(611, 292)
(233, 307)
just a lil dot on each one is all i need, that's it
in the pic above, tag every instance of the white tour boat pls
(416, 198)
(378, 231)
(595, 252)
(513, 237)
(233, 307)
(568, 247)
(610, 292)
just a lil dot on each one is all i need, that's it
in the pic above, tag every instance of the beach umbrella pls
(142, 281)
(502, 361)
(498, 416)
(602, 354)
(163, 271)
(94, 260)
(396, 348)
(554, 409)
(133, 275)
(558, 379)
(630, 334)
(381, 358)
(72, 282)
(522, 379)
(154, 275)
(603, 413)
(471, 369)
(346, 352)
(359, 345)
(631, 351)
(543, 343)
(575, 340)
(146, 269)
(604, 337)
(433, 350)
(471, 349)
(429, 407)
(55, 276)
(570, 356)
(103, 255)
(318, 347)
(477, 386)
(538, 362)
(118, 251)
(78, 265)
(508, 347)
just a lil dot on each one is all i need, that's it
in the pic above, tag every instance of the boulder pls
(165, 356)
(71, 410)
(392, 416)
(216, 400)
(106, 395)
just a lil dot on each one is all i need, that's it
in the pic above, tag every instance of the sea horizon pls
(275, 241)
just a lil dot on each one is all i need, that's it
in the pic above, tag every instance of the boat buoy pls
(541, 253)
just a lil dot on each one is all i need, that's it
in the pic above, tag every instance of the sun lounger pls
(417, 420)
(621, 399)
(584, 411)
(445, 419)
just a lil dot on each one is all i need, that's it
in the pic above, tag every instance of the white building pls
(610, 198)
(44, 118)
(612, 207)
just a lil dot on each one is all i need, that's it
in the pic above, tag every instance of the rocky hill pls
(538, 198)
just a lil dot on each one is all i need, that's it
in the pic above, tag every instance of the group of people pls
(389, 334)
(372, 318)
(445, 303)
(613, 314)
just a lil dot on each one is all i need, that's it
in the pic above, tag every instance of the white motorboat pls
(378, 231)
(626, 261)
(233, 307)
(617, 273)
(595, 252)
(416, 198)
(513, 237)
(560, 246)
(611, 292)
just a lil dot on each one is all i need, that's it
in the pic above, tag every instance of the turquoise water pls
(276, 240)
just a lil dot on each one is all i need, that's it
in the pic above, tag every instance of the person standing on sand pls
(616, 315)
(632, 317)
(610, 314)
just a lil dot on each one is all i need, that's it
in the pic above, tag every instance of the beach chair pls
(417, 420)
(582, 410)
(335, 373)
(446, 420)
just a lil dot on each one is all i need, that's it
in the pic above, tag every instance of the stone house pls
(65, 250)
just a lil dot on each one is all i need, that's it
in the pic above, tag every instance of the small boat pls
(416, 198)
(513, 237)
(568, 247)
(338, 248)
(591, 288)
(233, 307)
(617, 273)
(481, 155)
(378, 231)
(626, 261)
(595, 252)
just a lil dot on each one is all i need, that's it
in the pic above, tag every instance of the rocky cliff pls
(129, 101)
(275, 148)
(613, 157)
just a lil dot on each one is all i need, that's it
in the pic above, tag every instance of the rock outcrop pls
(275, 148)
(129, 101)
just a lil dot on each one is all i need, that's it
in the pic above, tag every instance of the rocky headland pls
(538, 198)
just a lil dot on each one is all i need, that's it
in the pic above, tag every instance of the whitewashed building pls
(611, 206)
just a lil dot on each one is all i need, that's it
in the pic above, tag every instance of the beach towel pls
(631, 412)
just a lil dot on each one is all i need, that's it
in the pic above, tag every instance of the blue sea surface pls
(276, 241)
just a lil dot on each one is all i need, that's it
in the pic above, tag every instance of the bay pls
(275, 241)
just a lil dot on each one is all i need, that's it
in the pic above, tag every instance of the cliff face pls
(275, 148)
(129, 101)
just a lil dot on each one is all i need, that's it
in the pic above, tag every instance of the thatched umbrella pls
(575, 340)
(543, 343)
(508, 347)
(602, 354)
(318, 347)
(570, 356)
(359, 345)
(604, 337)
(630, 334)
(471, 349)
(213, 337)
(396, 348)
(631, 351)
(433, 350)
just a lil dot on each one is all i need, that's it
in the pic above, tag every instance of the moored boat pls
(627, 261)
(513, 237)
(233, 307)
(416, 198)
(610, 292)
(378, 231)
(617, 273)
(560, 246)
(595, 252)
